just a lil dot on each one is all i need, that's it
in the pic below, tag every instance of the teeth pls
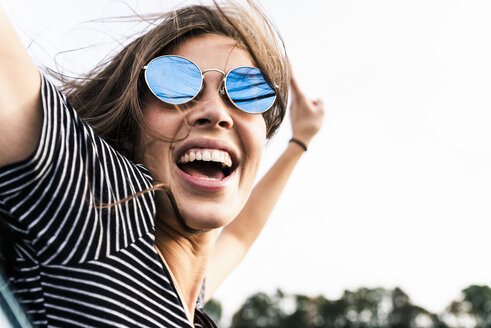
(210, 179)
(215, 157)
(218, 156)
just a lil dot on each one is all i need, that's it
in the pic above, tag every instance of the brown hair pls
(110, 97)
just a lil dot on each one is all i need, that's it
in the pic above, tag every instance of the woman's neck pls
(186, 254)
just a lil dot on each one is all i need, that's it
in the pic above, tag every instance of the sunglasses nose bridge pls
(221, 86)
(213, 70)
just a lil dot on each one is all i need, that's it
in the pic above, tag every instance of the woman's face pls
(211, 171)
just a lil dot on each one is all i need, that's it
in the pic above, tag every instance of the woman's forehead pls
(214, 51)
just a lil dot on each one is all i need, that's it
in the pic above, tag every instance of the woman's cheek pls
(254, 138)
(257, 137)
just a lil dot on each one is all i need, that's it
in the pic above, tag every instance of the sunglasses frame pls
(222, 87)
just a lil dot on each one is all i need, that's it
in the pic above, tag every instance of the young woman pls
(116, 193)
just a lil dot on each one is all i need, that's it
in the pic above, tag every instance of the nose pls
(210, 110)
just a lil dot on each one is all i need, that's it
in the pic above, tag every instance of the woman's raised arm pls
(237, 237)
(20, 107)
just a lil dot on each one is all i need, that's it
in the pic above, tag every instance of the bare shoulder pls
(20, 103)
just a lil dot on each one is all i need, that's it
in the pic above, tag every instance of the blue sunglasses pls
(177, 80)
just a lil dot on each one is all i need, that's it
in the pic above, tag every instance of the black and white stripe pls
(80, 264)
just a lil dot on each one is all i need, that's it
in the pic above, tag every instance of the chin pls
(204, 223)
(207, 217)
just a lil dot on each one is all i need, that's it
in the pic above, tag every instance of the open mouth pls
(207, 164)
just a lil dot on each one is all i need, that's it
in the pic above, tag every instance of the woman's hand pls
(306, 115)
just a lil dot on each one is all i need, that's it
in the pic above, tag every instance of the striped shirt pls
(79, 264)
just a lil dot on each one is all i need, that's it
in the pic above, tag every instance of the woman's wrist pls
(299, 143)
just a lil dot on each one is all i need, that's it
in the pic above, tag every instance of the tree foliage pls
(260, 310)
(362, 308)
(214, 309)
(474, 303)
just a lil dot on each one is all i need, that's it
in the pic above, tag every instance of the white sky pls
(396, 188)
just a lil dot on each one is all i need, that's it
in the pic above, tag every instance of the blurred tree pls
(333, 313)
(306, 313)
(214, 309)
(362, 308)
(476, 303)
(260, 310)
(365, 307)
(404, 314)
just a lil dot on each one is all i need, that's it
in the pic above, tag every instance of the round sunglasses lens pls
(249, 91)
(174, 80)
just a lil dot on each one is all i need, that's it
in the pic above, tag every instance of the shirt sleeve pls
(65, 202)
